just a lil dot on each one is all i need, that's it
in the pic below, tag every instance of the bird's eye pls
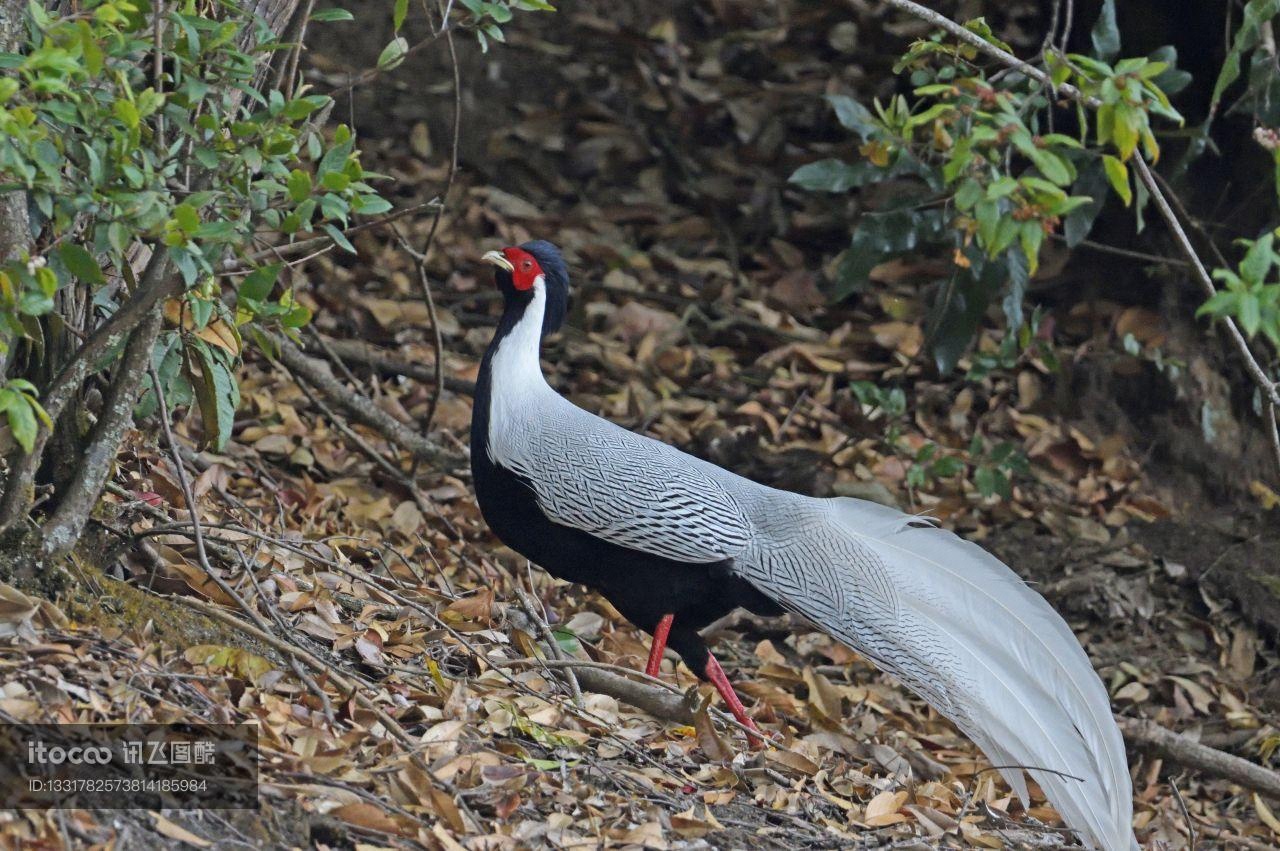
(527, 264)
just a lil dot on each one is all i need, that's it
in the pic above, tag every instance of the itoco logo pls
(38, 753)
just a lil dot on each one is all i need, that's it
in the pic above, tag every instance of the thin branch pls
(197, 534)
(297, 33)
(424, 284)
(377, 359)
(548, 639)
(358, 407)
(232, 266)
(289, 651)
(397, 475)
(371, 74)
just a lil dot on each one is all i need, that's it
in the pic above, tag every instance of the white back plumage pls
(951, 621)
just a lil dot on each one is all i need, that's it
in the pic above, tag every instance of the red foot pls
(716, 674)
(659, 645)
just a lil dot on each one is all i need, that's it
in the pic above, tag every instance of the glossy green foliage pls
(1251, 293)
(199, 157)
(980, 172)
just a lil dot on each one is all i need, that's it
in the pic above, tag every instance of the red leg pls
(716, 674)
(659, 645)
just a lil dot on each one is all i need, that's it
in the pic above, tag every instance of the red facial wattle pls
(525, 268)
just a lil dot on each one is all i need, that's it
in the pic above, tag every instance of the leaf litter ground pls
(698, 319)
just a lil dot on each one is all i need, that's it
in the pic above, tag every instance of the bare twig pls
(548, 640)
(420, 257)
(368, 355)
(424, 284)
(197, 534)
(320, 243)
(396, 474)
(290, 651)
(1186, 816)
(371, 74)
(358, 407)
(297, 33)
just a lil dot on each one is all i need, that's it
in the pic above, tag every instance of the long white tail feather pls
(968, 635)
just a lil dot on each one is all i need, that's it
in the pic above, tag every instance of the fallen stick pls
(377, 359)
(359, 407)
(1175, 747)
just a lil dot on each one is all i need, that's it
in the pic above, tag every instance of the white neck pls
(517, 381)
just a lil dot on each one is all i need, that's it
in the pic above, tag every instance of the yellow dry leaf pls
(16, 609)
(1264, 813)
(823, 696)
(883, 809)
(792, 761)
(446, 841)
(708, 739)
(689, 826)
(1269, 498)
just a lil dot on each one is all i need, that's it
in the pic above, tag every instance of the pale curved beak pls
(496, 258)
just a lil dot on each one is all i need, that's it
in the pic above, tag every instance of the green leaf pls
(1118, 175)
(826, 176)
(1257, 260)
(216, 392)
(22, 422)
(327, 15)
(853, 115)
(298, 316)
(186, 217)
(1052, 166)
(958, 311)
(393, 54)
(1105, 34)
(339, 238)
(1255, 12)
(81, 263)
(1220, 304)
(126, 112)
(1020, 271)
(1250, 313)
(1030, 235)
(258, 283)
(398, 16)
(299, 185)
(945, 468)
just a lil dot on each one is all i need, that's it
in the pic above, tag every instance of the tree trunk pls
(15, 225)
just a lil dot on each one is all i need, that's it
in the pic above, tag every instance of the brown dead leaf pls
(475, 607)
(903, 337)
(709, 740)
(216, 333)
(371, 817)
